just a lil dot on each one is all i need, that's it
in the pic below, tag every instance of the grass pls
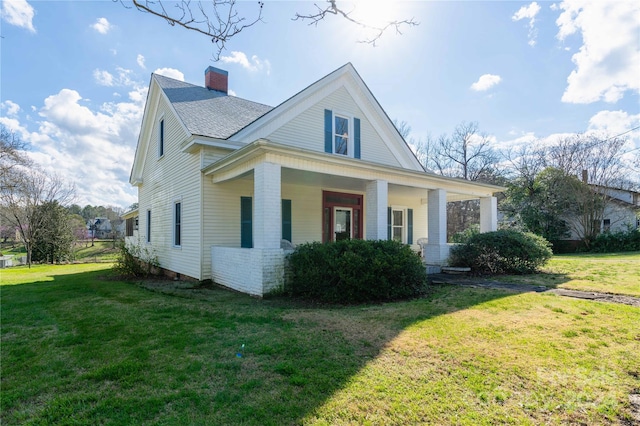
(101, 251)
(79, 347)
(607, 273)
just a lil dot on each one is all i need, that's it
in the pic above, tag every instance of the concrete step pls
(455, 270)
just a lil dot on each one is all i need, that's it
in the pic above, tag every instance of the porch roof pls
(240, 162)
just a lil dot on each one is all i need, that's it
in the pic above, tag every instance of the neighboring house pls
(222, 180)
(99, 227)
(621, 212)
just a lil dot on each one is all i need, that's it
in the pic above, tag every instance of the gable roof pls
(196, 106)
(346, 76)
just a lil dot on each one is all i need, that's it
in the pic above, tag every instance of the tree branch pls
(220, 21)
(333, 9)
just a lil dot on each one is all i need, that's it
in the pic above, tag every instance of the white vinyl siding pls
(176, 177)
(307, 129)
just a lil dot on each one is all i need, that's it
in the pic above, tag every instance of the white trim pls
(176, 201)
(350, 133)
(162, 135)
(405, 222)
(148, 227)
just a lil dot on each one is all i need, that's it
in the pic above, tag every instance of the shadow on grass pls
(87, 350)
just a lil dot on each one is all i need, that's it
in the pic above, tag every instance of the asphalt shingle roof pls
(208, 112)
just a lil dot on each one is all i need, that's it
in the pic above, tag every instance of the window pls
(131, 225)
(341, 134)
(177, 218)
(246, 222)
(148, 226)
(161, 139)
(606, 225)
(400, 224)
(397, 225)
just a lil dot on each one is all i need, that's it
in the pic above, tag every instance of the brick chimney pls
(216, 79)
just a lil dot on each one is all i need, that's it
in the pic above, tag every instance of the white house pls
(223, 180)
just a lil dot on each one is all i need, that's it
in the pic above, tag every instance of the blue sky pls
(75, 73)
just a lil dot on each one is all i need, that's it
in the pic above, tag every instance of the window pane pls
(342, 126)
(397, 217)
(397, 233)
(341, 137)
(176, 240)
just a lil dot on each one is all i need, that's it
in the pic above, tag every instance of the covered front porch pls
(300, 196)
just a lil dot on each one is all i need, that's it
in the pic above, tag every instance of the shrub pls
(502, 252)
(355, 271)
(135, 260)
(610, 242)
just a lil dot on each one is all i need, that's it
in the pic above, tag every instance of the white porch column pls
(267, 215)
(376, 205)
(437, 250)
(488, 214)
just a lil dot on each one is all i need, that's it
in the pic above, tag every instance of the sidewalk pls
(479, 282)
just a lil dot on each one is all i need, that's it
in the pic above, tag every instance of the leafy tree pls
(54, 239)
(565, 186)
(538, 203)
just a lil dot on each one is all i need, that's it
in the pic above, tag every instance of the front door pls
(342, 229)
(341, 216)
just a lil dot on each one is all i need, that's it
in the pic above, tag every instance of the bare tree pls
(21, 201)
(12, 155)
(220, 20)
(466, 154)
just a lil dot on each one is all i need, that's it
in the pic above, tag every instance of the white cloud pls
(103, 78)
(171, 73)
(102, 25)
(10, 107)
(92, 146)
(607, 62)
(485, 82)
(232, 93)
(18, 13)
(612, 123)
(140, 60)
(122, 78)
(529, 12)
(253, 65)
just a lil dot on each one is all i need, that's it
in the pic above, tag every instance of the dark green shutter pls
(388, 223)
(328, 131)
(286, 220)
(409, 226)
(246, 222)
(356, 138)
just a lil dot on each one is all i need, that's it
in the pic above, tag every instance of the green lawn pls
(79, 347)
(608, 273)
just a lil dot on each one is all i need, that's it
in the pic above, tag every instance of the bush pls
(502, 252)
(355, 271)
(610, 242)
(135, 260)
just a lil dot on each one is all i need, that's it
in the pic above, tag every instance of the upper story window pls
(341, 134)
(161, 138)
